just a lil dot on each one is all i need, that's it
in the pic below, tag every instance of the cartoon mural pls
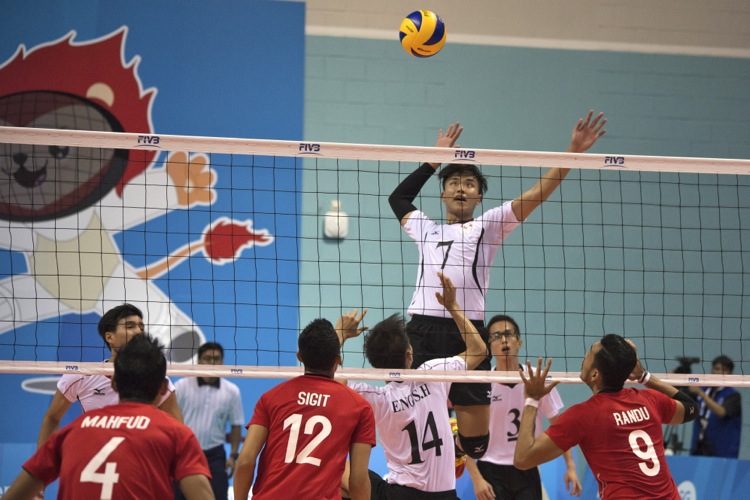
(65, 204)
(206, 244)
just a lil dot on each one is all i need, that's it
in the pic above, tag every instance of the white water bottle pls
(336, 222)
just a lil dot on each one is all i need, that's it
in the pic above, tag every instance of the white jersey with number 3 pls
(463, 252)
(414, 428)
(506, 407)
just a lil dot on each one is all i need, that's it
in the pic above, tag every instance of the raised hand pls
(348, 324)
(446, 299)
(535, 385)
(451, 136)
(586, 132)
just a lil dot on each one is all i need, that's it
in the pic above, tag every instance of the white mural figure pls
(62, 207)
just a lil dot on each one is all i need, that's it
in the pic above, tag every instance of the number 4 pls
(109, 477)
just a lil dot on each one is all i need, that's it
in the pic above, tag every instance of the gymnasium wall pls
(673, 80)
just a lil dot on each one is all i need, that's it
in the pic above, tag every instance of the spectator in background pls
(209, 404)
(716, 432)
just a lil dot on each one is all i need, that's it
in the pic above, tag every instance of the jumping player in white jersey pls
(412, 417)
(463, 248)
(116, 327)
(494, 476)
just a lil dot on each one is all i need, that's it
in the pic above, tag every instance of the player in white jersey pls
(412, 417)
(463, 248)
(494, 476)
(116, 327)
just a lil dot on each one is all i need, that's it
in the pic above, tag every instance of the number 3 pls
(648, 454)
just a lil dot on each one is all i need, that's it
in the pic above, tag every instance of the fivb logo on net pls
(309, 148)
(465, 155)
(614, 161)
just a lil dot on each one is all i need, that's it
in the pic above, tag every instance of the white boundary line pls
(82, 138)
(98, 368)
(540, 43)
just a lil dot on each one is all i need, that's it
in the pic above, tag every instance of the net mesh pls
(239, 241)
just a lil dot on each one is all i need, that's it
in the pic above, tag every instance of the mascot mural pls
(63, 207)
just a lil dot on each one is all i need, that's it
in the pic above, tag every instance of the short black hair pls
(387, 342)
(463, 170)
(726, 363)
(140, 368)
(615, 361)
(108, 322)
(504, 317)
(318, 345)
(211, 346)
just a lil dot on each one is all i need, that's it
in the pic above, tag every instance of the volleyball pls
(422, 33)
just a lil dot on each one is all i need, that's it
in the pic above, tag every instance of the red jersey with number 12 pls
(620, 435)
(312, 422)
(128, 450)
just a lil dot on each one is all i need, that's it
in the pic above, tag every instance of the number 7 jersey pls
(620, 434)
(463, 252)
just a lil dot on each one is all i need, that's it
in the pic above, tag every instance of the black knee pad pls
(474, 446)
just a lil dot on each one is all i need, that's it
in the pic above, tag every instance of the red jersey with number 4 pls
(124, 451)
(620, 435)
(312, 422)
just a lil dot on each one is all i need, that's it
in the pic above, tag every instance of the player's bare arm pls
(244, 471)
(196, 487)
(24, 487)
(584, 135)
(359, 479)
(51, 421)
(171, 406)
(532, 451)
(476, 349)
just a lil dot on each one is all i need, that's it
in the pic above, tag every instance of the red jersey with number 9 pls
(620, 435)
(124, 451)
(312, 422)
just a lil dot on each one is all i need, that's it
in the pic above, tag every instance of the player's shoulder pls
(453, 363)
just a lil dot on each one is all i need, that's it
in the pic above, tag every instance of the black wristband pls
(234, 455)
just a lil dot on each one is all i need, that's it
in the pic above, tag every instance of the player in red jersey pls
(618, 429)
(127, 450)
(306, 426)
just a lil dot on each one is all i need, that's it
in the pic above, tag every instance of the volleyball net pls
(243, 242)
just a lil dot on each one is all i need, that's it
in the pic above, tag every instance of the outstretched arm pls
(584, 135)
(402, 198)
(476, 348)
(532, 451)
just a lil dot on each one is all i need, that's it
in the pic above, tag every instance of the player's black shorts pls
(511, 483)
(433, 338)
(382, 490)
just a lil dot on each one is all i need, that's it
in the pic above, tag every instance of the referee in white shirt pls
(208, 405)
